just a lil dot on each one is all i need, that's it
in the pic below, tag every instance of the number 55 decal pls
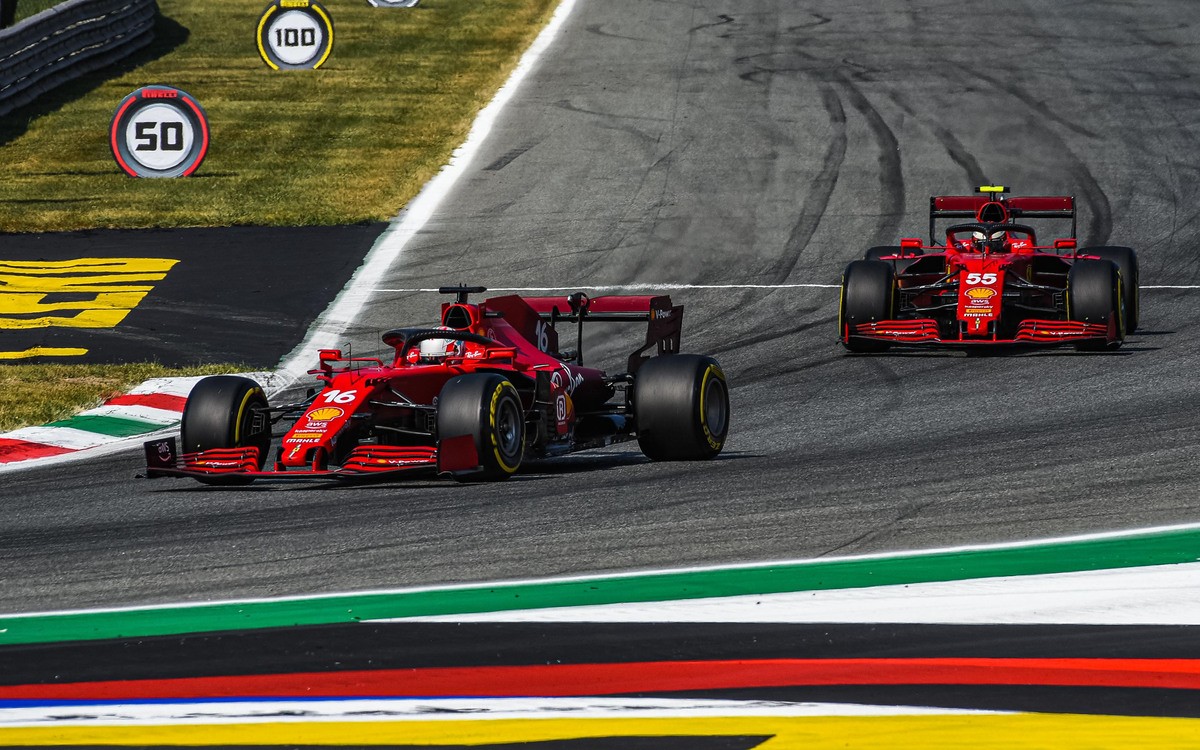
(981, 278)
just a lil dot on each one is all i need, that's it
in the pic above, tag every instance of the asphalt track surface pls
(267, 283)
(762, 143)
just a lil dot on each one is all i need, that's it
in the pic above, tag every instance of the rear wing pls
(664, 320)
(610, 308)
(1022, 207)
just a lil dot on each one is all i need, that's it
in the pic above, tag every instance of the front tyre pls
(487, 407)
(1125, 259)
(1094, 296)
(226, 411)
(868, 296)
(681, 404)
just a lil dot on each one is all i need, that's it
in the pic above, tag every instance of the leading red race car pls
(471, 399)
(991, 283)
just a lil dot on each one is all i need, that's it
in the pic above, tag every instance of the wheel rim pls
(508, 429)
(716, 409)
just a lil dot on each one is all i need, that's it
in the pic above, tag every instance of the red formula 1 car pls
(991, 283)
(471, 399)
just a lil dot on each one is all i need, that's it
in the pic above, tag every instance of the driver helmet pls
(435, 350)
(991, 241)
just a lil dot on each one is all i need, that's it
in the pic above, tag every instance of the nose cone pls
(980, 287)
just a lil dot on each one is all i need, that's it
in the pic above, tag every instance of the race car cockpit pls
(992, 238)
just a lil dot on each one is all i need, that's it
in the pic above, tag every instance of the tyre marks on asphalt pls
(820, 190)
(891, 175)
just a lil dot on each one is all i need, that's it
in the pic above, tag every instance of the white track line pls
(332, 325)
(118, 714)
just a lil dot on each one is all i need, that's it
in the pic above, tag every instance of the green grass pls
(27, 8)
(352, 141)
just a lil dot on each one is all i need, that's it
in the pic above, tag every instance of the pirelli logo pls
(81, 293)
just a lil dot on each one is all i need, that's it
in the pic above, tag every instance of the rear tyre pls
(487, 407)
(1125, 259)
(868, 295)
(681, 404)
(1094, 296)
(226, 411)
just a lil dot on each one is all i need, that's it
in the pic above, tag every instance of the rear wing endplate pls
(664, 320)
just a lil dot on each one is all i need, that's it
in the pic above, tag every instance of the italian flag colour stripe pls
(1162, 547)
(154, 405)
(569, 680)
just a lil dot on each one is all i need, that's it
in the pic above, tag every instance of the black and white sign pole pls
(159, 131)
(295, 35)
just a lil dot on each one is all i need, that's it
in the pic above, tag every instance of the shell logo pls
(325, 413)
(981, 292)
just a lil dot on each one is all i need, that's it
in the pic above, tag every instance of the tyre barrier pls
(67, 41)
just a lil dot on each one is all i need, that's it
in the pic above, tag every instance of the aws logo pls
(81, 293)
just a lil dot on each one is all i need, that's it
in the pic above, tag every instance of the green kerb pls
(113, 426)
(1096, 554)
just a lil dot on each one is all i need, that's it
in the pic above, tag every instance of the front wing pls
(925, 332)
(366, 463)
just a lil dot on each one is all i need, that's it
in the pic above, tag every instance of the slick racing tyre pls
(226, 411)
(681, 404)
(1125, 259)
(868, 294)
(485, 406)
(1093, 296)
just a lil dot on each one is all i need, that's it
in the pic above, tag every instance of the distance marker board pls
(159, 131)
(295, 35)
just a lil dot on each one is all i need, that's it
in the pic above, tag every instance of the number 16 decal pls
(159, 131)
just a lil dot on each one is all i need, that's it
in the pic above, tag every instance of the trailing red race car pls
(991, 283)
(471, 399)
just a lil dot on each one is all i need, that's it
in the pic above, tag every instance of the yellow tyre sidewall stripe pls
(241, 413)
(492, 434)
(712, 373)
